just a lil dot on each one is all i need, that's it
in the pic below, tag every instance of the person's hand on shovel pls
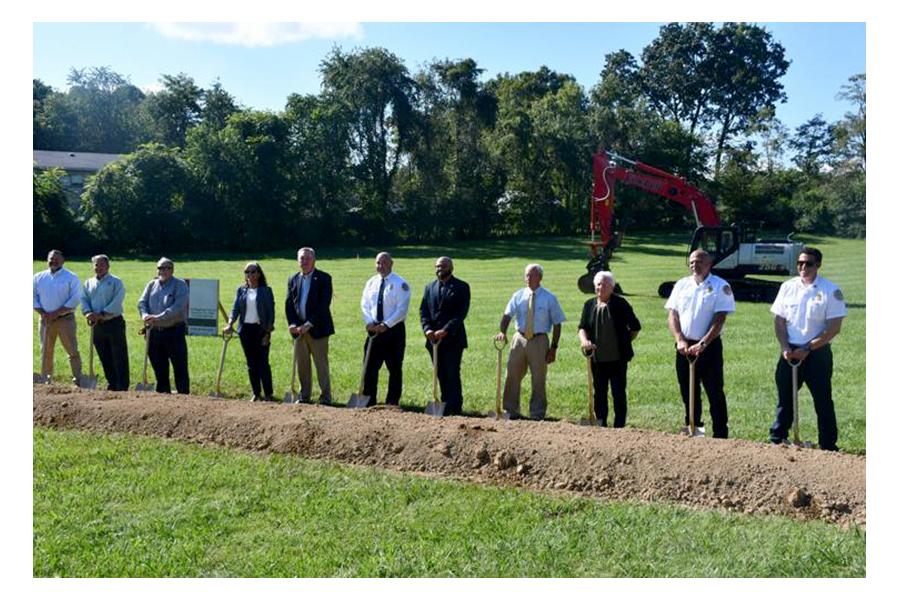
(440, 334)
(696, 349)
(587, 346)
(228, 329)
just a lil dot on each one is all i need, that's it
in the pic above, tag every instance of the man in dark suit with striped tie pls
(444, 307)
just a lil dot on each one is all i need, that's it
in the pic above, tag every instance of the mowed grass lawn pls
(494, 270)
(126, 506)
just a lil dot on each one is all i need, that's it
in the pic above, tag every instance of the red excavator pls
(733, 257)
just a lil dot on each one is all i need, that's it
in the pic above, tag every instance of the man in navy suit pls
(308, 311)
(445, 305)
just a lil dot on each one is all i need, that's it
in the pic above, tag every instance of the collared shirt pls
(807, 308)
(52, 291)
(168, 302)
(547, 311)
(395, 300)
(697, 303)
(305, 283)
(103, 295)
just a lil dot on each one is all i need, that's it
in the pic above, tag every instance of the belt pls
(167, 327)
(522, 333)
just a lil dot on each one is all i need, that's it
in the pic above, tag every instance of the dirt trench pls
(610, 464)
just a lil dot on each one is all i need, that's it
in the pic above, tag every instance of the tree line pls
(385, 155)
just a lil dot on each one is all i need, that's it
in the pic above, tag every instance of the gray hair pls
(535, 267)
(601, 275)
(164, 262)
(303, 251)
(100, 257)
(386, 255)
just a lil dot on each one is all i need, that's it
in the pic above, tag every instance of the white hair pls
(303, 251)
(535, 267)
(601, 275)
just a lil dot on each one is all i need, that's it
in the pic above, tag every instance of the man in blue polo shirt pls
(536, 311)
(101, 303)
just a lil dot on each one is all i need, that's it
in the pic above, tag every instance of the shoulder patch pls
(405, 287)
(727, 289)
(838, 294)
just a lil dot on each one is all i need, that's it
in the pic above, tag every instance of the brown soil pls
(620, 464)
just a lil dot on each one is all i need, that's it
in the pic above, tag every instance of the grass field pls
(494, 270)
(124, 506)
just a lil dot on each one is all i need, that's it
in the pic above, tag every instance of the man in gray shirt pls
(163, 307)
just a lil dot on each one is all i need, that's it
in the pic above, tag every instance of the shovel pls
(359, 399)
(143, 386)
(218, 393)
(435, 408)
(691, 429)
(795, 380)
(592, 415)
(498, 412)
(89, 381)
(291, 397)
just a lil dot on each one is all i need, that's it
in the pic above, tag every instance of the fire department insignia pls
(838, 295)
(709, 290)
(727, 290)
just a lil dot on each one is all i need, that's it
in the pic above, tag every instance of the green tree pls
(812, 143)
(217, 106)
(850, 133)
(100, 110)
(174, 109)
(54, 224)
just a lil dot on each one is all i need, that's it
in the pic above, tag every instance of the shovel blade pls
(698, 431)
(501, 416)
(215, 395)
(289, 397)
(38, 378)
(87, 382)
(435, 409)
(143, 387)
(590, 422)
(358, 401)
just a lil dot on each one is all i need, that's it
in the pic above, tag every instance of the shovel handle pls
(434, 369)
(501, 346)
(692, 377)
(592, 414)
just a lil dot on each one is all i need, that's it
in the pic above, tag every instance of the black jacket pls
(318, 303)
(265, 306)
(447, 314)
(623, 319)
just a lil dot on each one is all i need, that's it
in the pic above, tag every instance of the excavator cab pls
(720, 242)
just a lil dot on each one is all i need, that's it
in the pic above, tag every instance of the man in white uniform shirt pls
(384, 304)
(697, 307)
(808, 311)
(536, 311)
(56, 294)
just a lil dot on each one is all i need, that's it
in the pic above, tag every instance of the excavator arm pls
(610, 168)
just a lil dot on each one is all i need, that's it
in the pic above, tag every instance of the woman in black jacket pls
(254, 304)
(607, 326)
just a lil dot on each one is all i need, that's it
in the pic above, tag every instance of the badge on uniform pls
(405, 287)
(727, 290)
(709, 290)
(838, 295)
(819, 296)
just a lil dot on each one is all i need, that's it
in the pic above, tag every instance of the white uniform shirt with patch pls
(806, 308)
(697, 303)
(395, 300)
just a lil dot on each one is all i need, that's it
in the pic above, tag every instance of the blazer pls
(318, 303)
(447, 314)
(623, 319)
(265, 306)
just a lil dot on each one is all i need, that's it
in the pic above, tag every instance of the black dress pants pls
(610, 374)
(815, 371)
(258, 369)
(448, 372)
(112, 349)
(387, 348)
(170, 345)
(708, 370)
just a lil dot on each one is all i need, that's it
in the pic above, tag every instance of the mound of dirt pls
(612, 464)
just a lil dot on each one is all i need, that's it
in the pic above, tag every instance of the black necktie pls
(379, 316)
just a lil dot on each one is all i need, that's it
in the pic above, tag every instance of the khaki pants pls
(317, 349)
(524, 355)
(64, 329)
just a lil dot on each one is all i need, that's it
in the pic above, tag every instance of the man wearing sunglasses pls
(163, 307)
(808, 313)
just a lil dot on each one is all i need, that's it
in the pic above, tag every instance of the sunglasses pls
(808, 263)
(164, 268)
(250, 271)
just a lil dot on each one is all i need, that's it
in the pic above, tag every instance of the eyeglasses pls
(250, 271)
(808, 263)
(164, 268)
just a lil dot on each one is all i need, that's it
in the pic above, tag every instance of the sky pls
(262, 64)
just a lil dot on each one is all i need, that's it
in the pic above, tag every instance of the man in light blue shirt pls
(101, 303)
(536, 311)
(56, 293)
(163, 307)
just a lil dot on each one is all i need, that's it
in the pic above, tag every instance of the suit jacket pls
(623, 319)
(265, 306)
(447, 314)
(318, 303)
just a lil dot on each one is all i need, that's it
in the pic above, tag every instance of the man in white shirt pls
(536, 311)
(808, 310)
(384, 304)
(56, 294)
(697, 307)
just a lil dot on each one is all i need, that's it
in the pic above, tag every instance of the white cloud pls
(257, 34)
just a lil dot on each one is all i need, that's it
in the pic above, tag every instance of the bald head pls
(384, 263)
(443, 268)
